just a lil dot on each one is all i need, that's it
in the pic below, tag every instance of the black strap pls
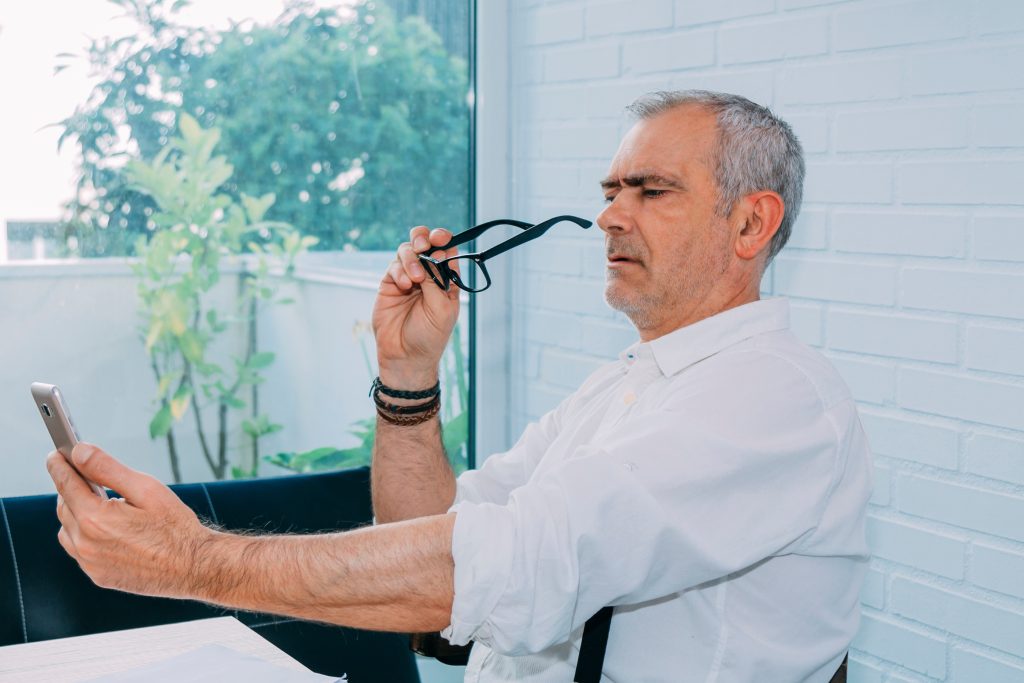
(595, 640)
(840, 674)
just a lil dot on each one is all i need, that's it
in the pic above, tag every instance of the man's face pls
(666, 246)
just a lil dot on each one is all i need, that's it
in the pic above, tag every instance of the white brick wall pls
(906, 267)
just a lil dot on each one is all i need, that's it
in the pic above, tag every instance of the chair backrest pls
(44, 595)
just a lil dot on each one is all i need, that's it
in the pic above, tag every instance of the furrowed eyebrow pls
(641, 179)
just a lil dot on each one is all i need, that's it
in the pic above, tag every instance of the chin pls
(618, 297)
(636, 306)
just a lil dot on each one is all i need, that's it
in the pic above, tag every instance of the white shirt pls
(712, 484)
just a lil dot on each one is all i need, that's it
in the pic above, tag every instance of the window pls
(196, 206)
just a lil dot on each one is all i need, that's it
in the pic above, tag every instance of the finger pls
(440, 237)
(397, 275)
(66, 516)
(70, 485)
(410, 261)
(418, 238)
(66, 542)
(63, 511)
(137, 488)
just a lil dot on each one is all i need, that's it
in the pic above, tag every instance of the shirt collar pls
(682, 348)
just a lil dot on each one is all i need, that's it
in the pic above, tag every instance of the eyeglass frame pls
(530, 232)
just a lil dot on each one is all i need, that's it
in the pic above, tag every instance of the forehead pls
(680, 141)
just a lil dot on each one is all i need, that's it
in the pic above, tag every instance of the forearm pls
(393, 577)
(411, 476)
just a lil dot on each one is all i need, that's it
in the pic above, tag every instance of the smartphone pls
(58, 422)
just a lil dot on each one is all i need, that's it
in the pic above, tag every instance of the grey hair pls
(756, 150)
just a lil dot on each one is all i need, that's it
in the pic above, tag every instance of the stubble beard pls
(647, 307)
(638, 306)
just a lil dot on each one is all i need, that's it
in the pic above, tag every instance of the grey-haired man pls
(711, 483)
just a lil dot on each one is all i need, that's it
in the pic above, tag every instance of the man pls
(711, 484)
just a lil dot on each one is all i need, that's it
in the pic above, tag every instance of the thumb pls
(99, 466)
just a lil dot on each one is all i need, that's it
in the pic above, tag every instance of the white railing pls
(75, 323)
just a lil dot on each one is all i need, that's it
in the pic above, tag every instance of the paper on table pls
(215, 664)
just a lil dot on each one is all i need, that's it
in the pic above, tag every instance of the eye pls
(653, 193)
(609, 199)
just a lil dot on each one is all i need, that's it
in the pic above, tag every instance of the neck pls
(695, 311)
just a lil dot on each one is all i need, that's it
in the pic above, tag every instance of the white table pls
(67, 660)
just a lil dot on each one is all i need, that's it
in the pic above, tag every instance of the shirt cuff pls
(482, 547)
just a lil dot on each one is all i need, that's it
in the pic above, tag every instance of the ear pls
(762, 214)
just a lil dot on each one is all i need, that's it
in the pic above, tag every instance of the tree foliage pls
(356, 122)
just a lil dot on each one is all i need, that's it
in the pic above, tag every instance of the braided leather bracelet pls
(406, 416)
(405, 410)
(411, 420)
(400, 393)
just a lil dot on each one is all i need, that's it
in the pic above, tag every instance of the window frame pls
(489, 344)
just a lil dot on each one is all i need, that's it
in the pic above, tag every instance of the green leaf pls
(317, 453)
(209, 369)
(161, 423)
(261, 360)
(155, 330)
(250, 428)
(164, 384)
(191, 346)
(232, 402)
(255, 208)
(181, 401)
(189, 127)
(366, 430)
(328, 458)
(280, 459)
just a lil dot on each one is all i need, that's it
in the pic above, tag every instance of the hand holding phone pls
(58, 422)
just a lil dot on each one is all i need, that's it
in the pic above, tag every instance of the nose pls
(616, 217)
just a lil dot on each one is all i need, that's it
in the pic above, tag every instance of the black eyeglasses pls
(444, 275)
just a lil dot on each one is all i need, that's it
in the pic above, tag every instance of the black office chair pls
(44, 595)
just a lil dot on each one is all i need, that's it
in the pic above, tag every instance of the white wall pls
(906, 267)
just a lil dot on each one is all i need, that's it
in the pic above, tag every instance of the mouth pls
(620, 260)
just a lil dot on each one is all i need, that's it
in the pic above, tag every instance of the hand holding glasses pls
(442, 273)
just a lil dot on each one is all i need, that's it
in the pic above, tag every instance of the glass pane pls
(196, 207)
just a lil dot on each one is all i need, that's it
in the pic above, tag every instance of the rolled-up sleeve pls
(501, 473)
(691, 492)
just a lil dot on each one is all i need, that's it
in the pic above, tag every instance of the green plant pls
(454, 419)
(195, 231)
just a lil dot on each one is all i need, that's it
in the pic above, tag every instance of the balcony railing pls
(76, 324)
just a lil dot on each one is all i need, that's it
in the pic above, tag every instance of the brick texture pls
(906, 267)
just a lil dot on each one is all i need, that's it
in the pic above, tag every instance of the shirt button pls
(628, 397)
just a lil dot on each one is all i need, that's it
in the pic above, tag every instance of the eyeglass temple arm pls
(531, 234)
(474, 232)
